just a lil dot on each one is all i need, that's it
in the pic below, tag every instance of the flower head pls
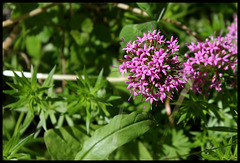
(211, 59)
(153, 66)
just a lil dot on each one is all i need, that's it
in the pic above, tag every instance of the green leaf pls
(209, 157)
(49, 79)
(100, 78)
(154, 10)
(120, 130)
(222, 129)
(228, 151)
(43, 120)
(99, 86)
(129, 32)
(14, 145)
(16, 148)
(27, 121)
(134, 150)
(179, 144)
(88, 118)
(65, 142)
(80, 38)
(71, 85)
(87, 25)
(33, 46)
(86, 77)
(34, 77)
(20, 102)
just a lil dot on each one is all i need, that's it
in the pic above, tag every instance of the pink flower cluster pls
(211, 60)
(153, 67)
(232, 34)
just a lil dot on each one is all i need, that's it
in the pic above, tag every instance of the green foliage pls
(129, 32)
(134, 150)
(177, 145)
(86, 96)
(120, 130)
(91, 118)
(154, 10)
(222, 152)
(12, 147)
(65, 142)
(28, 92)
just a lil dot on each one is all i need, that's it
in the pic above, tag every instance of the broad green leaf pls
(87, 25)
(120, 130)
(134, 150)
(130, 31)
(154, 10)
(33, 46)
(65, 142)
(80, 38)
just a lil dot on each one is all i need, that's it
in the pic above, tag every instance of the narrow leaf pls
(48, 81)
(100, 78)
(20, 144)
(222, 129)
(34, 77)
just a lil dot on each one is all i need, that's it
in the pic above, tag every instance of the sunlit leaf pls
(65, 142)
(120, 130)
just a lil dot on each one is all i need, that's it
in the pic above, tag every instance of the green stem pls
(20, 118)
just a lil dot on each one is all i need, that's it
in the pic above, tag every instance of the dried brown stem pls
(71, 9)
(179, 24)
(30, 14)
(168, 109)
(26, 59)
(10, 39)
(63, 61)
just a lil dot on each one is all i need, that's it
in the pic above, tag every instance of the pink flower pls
(210, 58)
(154, 69)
